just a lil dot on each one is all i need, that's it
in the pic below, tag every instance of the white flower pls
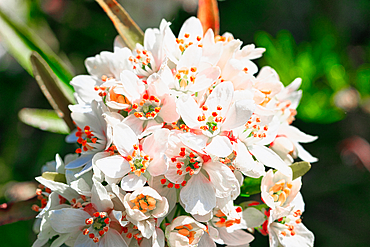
(252, 153)
(288, 230)
(184, 231)
(134, 159)
(91, 134)
(148, 59)
(91, 224)
(218, 114)
(192, 75)
(191, 33)
(278, 190)
(143, 206)
(267, 86)
(204, 181)
(287, 146)
(286, 102)
(106, 65)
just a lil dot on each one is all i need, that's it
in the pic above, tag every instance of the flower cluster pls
(166, 135)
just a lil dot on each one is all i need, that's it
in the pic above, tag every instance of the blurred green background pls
(325, 42)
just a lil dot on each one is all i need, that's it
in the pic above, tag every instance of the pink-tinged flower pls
(287, 101)
(148, 103)
(235, 238)
(133, 159)
(231, 220)
(106, 65)
(152, 108)
(92, 225)
(249, 52)
(143, 207)
(218, 115)
(288, 230)
(267, 86)
(148, 59)
(192, 75)
(191, 34)
(229, 47)
(184, 231)
(278, 190)
(204, 181)
(134, 237)
(131, 234)
(91, 134)
(252, 138)
(286, 144)
(238, 68)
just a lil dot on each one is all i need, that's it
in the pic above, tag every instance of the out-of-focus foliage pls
(322, 64)
(44, 120)
(21, 41)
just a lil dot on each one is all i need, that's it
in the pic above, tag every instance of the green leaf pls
(51, 88)
(300, 168)
(21, 41)
(43, 119)
(54, 176)
(251, 186)
(126, 27)
(16, 211)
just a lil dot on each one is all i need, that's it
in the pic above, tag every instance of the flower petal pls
(221, 177)
(124, 138)
(235, 238)
(270, 158)
(198, 195)
(67, 220)
(132, 182)
(112, 239)
(189, 111)
(100, 197)
(220, 146)
(113, 166)
(84, 87)
(238, 114)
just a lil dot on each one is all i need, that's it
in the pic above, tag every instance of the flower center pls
(138, 161)
(210, 123)
(85, 138)
(148, 107)
(119, 98)
(98, 225)
(255, 128)
(267, 97)
(171, 185)
(280, 191)
(131, 231)
(219, 38)
(222, 221)
(187, 162)
(289, 223)
(180, 125)
(187, 41)
(229, 160)
(186, 230)
(286, 111)
(144, 203)
(185, 76)
(143, 62)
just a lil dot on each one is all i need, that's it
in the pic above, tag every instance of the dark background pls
(325, 42)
